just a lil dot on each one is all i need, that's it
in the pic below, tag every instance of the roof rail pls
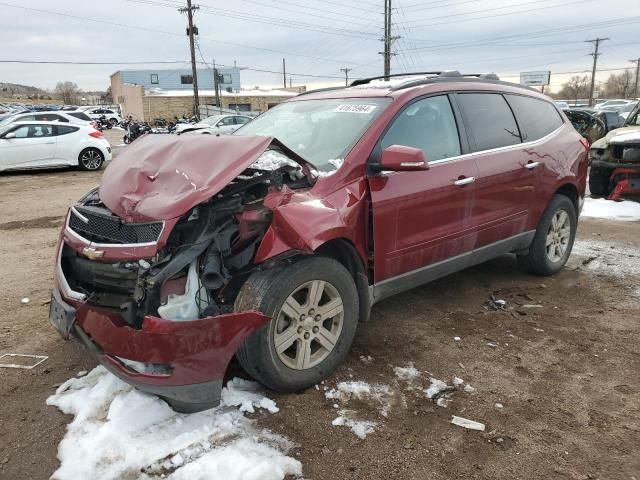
(326, 89)
(364, 81)
(486, 76)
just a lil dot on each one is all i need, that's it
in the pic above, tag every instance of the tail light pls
(96, 134)
(585, 143)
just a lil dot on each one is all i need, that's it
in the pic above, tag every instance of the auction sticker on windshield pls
(354, 108)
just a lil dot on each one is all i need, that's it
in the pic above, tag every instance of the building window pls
(226, 78)
(186, 79)
(240, 107)
(154, 79)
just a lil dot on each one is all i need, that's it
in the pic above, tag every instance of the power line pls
(174, 34)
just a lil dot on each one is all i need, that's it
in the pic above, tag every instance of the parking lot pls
(554, 374)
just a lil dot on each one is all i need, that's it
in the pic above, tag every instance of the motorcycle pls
(135, 130)
(103, 123)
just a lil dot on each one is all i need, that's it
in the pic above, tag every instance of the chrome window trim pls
(499, 149)
(68, 229)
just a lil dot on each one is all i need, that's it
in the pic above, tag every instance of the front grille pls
(104, 227)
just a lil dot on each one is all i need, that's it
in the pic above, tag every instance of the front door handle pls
(532, 165)
(464, 181)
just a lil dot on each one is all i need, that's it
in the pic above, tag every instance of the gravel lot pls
(566, 374)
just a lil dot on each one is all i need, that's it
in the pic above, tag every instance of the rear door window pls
(428, 124)
(536, 117)
(80, 116)
(489, 120)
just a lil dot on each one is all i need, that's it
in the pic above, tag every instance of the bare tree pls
(619, 85)
(68, 92)
(577, 87)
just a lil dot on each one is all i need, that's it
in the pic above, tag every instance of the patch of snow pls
(436, 387)
(119, 432)
(379, 394)
(407, 374)
(457, 339)
(499, 405)
(81, 373)
(614, 259)
(457, 381)
(336, 162)
(25, 300)
(273, 160)
(469, 389)
(360, 427)
(366, 359)
(608, 209)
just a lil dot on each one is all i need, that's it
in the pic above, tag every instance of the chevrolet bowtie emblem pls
(91, 253)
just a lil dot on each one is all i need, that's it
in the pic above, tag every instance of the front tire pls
(313, 304)
(91, 159)
(553, 240)
(599, 181)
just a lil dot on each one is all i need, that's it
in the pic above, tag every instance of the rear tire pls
(313, 337)
(553, 239)
(599, 181)
(90, 159)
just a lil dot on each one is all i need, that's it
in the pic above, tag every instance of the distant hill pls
(8, 89)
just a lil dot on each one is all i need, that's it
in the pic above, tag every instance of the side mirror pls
(10, 135)
(400, 158)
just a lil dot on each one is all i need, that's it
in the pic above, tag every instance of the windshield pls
(320, 131)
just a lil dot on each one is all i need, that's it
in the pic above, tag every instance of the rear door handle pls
(532, 165)
(464, 181)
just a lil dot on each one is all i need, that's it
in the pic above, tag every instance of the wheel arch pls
(343, 251)
(570, 191)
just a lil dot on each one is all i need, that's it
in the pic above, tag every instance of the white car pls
(52, 144)
(112, 117)
(612, 103)
(79, 118)
(215, 125)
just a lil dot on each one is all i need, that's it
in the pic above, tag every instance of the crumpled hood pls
(603, 142)
(159, 177)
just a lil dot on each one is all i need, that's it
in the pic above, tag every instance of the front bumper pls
(183, 362)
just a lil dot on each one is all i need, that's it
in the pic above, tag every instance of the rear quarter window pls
(489, 119)
(536, 117)
(65, 129)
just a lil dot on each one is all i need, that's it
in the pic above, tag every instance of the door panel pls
(420, 218)
(505, 186)
(33, 147)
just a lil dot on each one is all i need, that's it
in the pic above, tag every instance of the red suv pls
(273, 243)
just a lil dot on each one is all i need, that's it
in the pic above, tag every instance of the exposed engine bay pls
(205, 260)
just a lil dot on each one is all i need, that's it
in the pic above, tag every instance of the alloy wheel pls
(91, 159)
(558, 236)
(308, 325)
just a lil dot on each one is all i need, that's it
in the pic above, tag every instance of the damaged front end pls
(150, 265)
(615, 164)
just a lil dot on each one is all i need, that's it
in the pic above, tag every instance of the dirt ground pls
(567, 374)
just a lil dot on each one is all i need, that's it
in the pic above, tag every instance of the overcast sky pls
(316, 37)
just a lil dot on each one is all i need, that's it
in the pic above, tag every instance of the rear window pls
(536, 117)
(80, 116)
(490, 120)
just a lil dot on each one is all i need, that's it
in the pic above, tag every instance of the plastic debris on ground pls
(119, 432)
(25, 300)
(466, 423)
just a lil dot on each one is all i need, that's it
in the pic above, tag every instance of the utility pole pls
(595, 56)
(192, 31)
(216, 86)
(284, 73)
(635, 87)
(346, 75)
(388, 39)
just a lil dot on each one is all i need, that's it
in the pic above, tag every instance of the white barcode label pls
(354, 108)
